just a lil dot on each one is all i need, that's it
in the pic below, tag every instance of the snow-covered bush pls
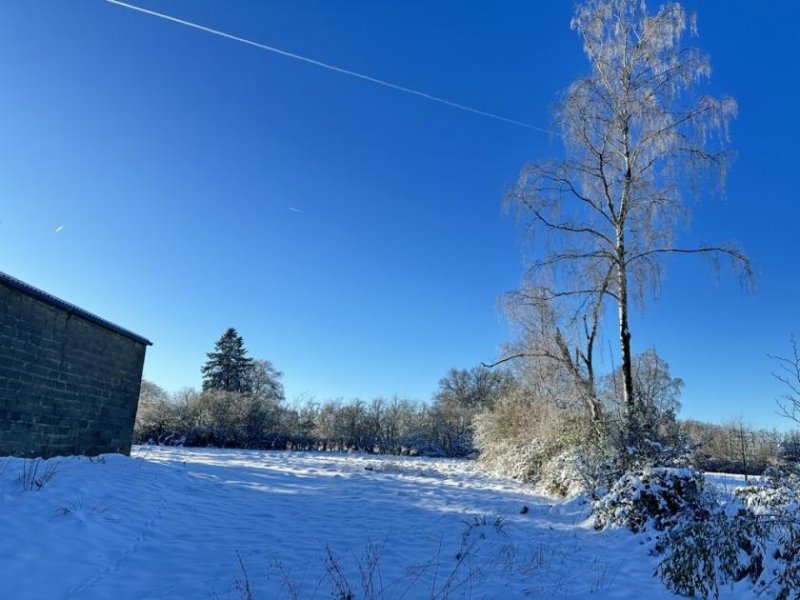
(676, 451)
(518, 460)
(754, 538)
(774, 503)
(656, 498)
(565, 474)
(581, 470)
(779, 489)
(230, 419)
(158, 418)
(702, 555)
(522, 433)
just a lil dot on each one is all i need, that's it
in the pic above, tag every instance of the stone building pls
(69, 380)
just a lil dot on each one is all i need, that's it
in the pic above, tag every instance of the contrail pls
(330, 67)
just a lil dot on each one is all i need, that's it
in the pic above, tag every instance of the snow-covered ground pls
(207, 523)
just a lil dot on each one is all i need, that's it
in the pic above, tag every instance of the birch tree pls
(638, 140)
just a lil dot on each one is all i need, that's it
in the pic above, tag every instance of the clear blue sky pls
(351, 233)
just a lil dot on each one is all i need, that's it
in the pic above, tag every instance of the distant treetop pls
(228, 368)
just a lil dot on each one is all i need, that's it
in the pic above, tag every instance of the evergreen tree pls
(228, 368)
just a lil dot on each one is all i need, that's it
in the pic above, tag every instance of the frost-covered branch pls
(789, 375)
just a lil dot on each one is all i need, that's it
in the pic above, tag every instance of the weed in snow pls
(288, 583)
(242, 583)
(79, 511)
(369, 571)
(33, 477)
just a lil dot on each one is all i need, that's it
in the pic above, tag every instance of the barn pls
(69, 380)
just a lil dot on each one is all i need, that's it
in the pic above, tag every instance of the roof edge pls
(43, 296)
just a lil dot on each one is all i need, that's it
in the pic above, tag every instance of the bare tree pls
(742, 444)
(636, 138)
(789, 376)
(558, 348)
(658, 393)
(462, 394)
(476, 388)
(264, 380)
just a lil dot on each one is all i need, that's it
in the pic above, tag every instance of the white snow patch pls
(175, 523)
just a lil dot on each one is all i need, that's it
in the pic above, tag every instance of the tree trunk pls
(585, 383)
(622, 284)
(625, 338)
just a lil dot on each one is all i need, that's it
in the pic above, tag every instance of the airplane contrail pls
(330, 67)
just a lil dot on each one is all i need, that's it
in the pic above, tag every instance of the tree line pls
(477, 410)
(242, 403)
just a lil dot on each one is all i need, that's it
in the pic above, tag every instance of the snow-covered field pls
(206, 523)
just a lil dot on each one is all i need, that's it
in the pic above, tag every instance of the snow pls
(727, 483)
(210, 523)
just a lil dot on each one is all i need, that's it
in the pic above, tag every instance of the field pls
(207, 523)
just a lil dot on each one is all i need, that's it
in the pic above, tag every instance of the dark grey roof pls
(70, 308)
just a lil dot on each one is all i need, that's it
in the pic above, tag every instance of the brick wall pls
(67, 385)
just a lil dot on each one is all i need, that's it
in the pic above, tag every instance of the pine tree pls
(228, 368)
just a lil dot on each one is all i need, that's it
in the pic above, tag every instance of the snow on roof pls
(43, 296)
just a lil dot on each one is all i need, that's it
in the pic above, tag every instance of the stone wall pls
(67, 385)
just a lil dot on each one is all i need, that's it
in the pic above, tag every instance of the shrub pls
(522, 433)
(157, 421)
(702, 555)
(755, 538)
(656, 498)
(576, 471)
(778, 490)
(232, 419)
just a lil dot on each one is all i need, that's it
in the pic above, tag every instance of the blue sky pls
(354, 234)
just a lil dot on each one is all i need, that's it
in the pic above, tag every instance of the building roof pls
(70, 308)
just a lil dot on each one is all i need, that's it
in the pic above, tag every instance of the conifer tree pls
(228, 368)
